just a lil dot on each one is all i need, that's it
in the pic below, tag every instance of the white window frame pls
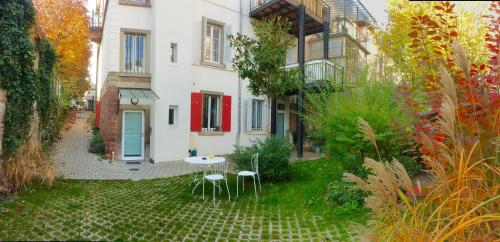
(213, 43)
(207, 43)
(134, 70)
(174, 52)
(175, 109)
(209, 126)
(256, 103)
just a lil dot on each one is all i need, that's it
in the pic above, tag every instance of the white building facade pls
(165, 82)
(178, 50)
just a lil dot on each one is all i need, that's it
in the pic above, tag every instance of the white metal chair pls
(215, 175)
(254, 162)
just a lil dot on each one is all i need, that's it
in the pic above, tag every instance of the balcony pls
(95, 26)
(317, 72)
(315, 10)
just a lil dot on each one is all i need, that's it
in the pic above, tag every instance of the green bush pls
(346, 198)
(337, 113)
(273, 158)
(96, 145)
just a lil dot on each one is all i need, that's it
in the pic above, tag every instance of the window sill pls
(146, 4)
(257, 133)
(134, 74)
(210, 133)
(212, 64)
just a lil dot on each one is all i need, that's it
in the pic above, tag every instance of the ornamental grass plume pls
(463, 202)
(29, 163)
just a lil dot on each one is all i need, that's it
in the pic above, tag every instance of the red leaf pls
(413, 34)
(453, 34)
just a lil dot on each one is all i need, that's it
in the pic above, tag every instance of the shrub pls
(336, 115)
(273, 158)
(96, 145)
(341, 193)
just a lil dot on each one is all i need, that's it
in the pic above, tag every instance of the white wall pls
(181, 22)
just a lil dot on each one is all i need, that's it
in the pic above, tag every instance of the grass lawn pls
(165, 209)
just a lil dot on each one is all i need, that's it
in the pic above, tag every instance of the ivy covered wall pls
(27, 62)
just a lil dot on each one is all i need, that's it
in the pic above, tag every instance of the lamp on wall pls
(134, 101)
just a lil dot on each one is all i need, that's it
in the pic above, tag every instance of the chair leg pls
(243, 177)
(254, 186)
(203, 182)
(227, 187)
(213, 193)
(237, 177)
(220, 189)
(260, 187)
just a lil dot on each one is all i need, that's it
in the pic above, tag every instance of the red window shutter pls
(196, 110)
(226, 113)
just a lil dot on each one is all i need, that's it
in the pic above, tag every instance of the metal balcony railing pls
(321, 70)
(344, 25)
(314, 6)
(95, 20)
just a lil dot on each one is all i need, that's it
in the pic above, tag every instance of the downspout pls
(238, 132)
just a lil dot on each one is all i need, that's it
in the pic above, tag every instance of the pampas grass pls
(462, 203)
(29, 163)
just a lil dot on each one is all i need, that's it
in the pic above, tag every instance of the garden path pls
(73, 161)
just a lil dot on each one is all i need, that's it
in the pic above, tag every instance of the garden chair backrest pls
(255, 162)
(219, 168)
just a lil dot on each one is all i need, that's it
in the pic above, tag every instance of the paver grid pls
(157, 210)
(110, 206)
(73, 161)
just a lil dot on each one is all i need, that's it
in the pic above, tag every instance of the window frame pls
(175, 115)
(146, 58)
(207, 60)
(174, 53)
(255, 115)
(208, 127)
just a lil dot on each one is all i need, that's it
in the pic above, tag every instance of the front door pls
(280, 124)
(133, 135)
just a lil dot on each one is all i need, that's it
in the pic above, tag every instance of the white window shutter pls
(265, 111)
(227, 49)
(249, 114)
(203, 32)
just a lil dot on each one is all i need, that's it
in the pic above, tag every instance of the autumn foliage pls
(456, 111)
(65, 24)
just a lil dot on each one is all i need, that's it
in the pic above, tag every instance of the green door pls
(280, 125)
(132, 135)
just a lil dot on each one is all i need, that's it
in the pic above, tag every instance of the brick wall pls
(108, 120)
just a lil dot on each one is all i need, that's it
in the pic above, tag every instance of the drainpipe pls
(300, 102)
(238, 132)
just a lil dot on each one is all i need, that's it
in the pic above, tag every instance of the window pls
(172, 115)
(211, 112)
(213, 42)
(134, 53)
(257, 109)
(173, 52)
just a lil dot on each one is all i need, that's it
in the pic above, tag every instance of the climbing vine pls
(27, 61)
(17, 75)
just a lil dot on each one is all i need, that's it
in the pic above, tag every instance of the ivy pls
(24, 82)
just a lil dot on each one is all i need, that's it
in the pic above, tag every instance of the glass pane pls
(205, 111)
(128, 52)
(208, 47)
(216, 44)
(171, 116)
(214, 104)
(254, 111)
(133, 134)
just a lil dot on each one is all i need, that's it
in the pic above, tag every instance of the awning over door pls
(136, 96)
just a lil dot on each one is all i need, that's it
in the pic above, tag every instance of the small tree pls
(261, 60)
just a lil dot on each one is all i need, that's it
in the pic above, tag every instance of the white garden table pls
(204, 162)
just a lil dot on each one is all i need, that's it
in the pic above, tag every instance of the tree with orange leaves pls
(65, 23)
